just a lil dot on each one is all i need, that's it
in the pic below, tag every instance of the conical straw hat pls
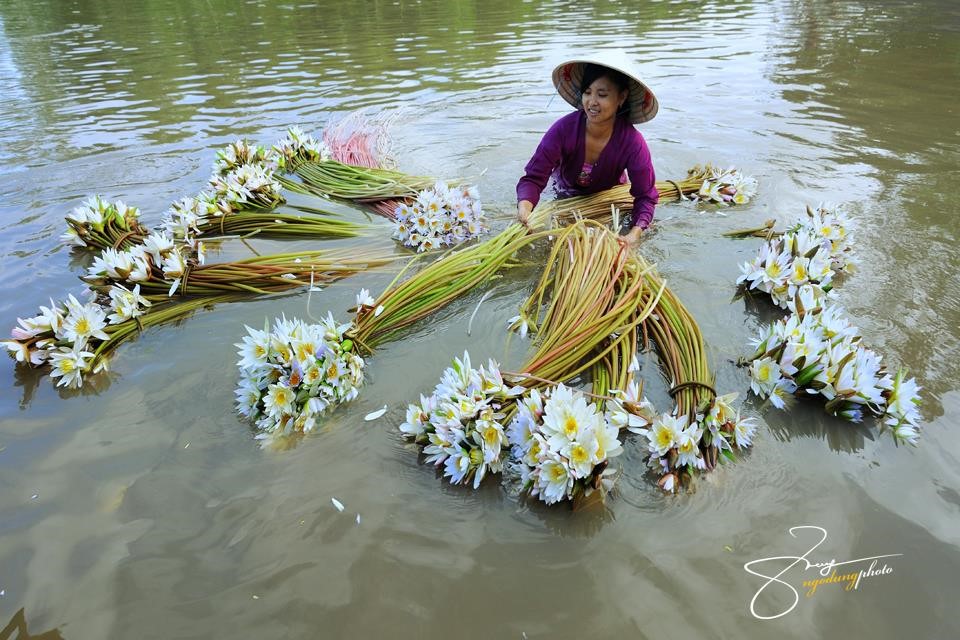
(567, 78)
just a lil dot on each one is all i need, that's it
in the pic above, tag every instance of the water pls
(144, 508)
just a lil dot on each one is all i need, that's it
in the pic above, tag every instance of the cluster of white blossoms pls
(297, 147)
(157, 258)
(96, 218)
(816, 350)
(243, 178)
(293, 372)
(726, 186)
(560, 444)
(677, 447)
(809, 253)
(439, 216)
(66, 335)
(460, 424)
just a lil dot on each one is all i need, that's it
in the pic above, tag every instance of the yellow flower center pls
(557, 473)
(491, 435)
(67, 366)
(570, 425)
(664, 437)
(82, 326)
(764, 373)
(578, 454)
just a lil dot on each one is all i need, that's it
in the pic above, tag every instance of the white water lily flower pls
(24, 353)
(743, 431)
(69, 364)
(85, 322)
(457, 464)
(248, 396)
(582, 456)
(608, 445)
(688, 451)
(125, 303)
(157, 245)
(278, 400)
(364, 299)
(519, 324)
(764, 375)
(567, 417)
(665, 433)
(554, 480)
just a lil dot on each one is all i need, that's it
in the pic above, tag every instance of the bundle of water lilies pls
(722, 186)
(98, 224)
(131, 290)
(439, 216)
(604, 205)
(557, 442)
(292, 373)
(245, 188)
(162, 267)
(817, 351)
(76, 338)
(596, 286)
(811, 252)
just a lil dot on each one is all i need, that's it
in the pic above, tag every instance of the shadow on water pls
(18, 624)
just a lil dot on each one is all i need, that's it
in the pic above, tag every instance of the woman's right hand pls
(524, 208)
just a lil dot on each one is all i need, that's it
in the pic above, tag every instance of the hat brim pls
(568, 76)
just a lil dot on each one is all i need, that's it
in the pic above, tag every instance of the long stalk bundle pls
(433, 287)
(259, 275)
(349, 182)
(600, 296)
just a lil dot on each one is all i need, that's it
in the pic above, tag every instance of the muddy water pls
(143, 508)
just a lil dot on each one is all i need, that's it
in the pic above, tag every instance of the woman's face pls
(602, 99)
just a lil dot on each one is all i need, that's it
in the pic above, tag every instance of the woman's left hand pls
(632, 238)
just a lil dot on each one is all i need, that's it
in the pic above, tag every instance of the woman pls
(588, 150)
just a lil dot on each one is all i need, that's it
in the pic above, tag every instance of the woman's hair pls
(591, 72)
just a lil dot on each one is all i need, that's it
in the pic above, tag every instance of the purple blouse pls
(561, 154)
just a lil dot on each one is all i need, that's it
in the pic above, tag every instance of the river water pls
(143, 507)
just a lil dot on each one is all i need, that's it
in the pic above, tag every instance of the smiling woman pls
(596, 147)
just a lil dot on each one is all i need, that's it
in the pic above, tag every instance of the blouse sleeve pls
(538, 170)
(642, 183)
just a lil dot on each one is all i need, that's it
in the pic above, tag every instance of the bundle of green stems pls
(320, 224)
(451, 276)
(599, 296)
(258, 275)
(359, 184)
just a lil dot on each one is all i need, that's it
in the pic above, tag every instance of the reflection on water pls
(148, 510)
(18, 624)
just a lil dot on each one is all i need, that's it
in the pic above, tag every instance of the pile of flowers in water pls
(676, 446)
(817, 351)
(439, 216)
(723, 186)
(66, 335)
(98, 223)
(811, 252)
(292, 373)
(244, 178)
(561, 444)
(460, 425)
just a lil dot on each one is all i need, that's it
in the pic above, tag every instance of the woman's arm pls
(642, 183)
(538, 170)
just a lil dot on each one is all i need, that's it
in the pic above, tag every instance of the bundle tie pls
(679, 190)
(692, 383)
